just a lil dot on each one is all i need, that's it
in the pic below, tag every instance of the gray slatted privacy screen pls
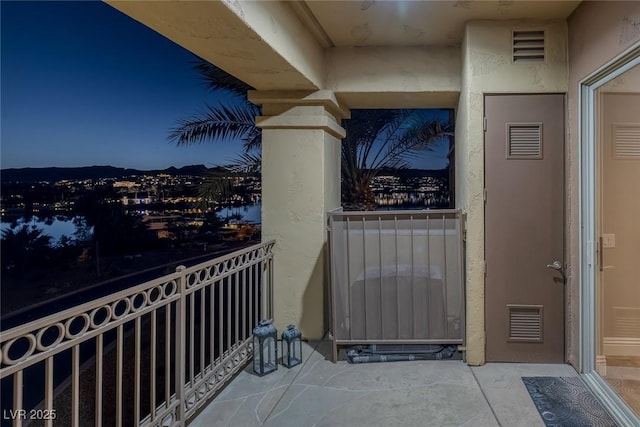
(397, 277)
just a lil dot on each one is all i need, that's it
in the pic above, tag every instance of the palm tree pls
(23, 247)
(376, 139)
(228, 121)
(382, 139)
(221, 121)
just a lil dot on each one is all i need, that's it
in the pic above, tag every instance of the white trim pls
(614, 346)
(601, 365)
(587, 254)
(617, 408)
(587, 221)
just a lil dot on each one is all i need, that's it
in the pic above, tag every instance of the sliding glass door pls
(618, 276)
(611, 236)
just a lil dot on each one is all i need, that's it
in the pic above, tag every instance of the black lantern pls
(291, 346)
(265, 349)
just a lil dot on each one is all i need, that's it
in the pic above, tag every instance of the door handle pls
(601, 257)
(557, 265)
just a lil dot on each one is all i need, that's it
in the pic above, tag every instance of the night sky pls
(82, 84)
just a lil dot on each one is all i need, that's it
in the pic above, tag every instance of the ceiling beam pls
(261, 43)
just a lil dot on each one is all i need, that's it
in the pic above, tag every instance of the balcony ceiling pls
(411, 23)
(282, 45)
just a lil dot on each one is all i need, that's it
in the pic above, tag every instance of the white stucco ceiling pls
(413, 22)
(307, 44)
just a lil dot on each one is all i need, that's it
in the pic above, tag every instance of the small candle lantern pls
(291, 346)
(265, 348)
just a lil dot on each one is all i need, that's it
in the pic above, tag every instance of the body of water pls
(55, 228)
(249, 213)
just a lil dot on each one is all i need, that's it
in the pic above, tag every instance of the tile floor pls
(420, 393)
(623, 374)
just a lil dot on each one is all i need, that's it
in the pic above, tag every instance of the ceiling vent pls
(626, 137)
(528, 46)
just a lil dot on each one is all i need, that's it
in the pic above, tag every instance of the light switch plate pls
(608, 240)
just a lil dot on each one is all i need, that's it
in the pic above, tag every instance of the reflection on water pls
(55, 227)
(249, 213)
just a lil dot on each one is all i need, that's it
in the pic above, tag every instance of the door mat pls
(566, 402)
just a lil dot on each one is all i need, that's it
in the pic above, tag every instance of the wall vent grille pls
(528, 46)
(524, 140)
(626, 322)
(525, 323)
(626, 137)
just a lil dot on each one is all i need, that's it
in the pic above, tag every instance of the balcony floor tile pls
(426, 393)
(502, 385)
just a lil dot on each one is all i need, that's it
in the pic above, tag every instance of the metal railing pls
(397, 277)
(149, 355)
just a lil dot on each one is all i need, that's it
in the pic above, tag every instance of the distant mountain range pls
(412, 173)
(53, 174)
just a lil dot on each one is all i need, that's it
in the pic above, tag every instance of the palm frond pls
(215, 78)
(383, 140)
(417, 135)
(253, 142)
(225, 122)
(246, 163)
(388, 144)
(366, 125)
(216, 187)
(426, 133)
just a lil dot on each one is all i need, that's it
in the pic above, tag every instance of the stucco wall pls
(300, 163)
(279, 27)
(296, 167)
(598, 31)
(629, 82)
(400, 77)
(487, 67)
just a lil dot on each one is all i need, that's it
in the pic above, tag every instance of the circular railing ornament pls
(169, 289)
(115, 315)
(105, 320)
(40, 346)
(142, 304)
(154, 294)
(69, 324)
(8, 360)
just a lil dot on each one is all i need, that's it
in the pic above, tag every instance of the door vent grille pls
(626, 138)
(626, 322)
(524, 140)
(528, 46)
(525, 323)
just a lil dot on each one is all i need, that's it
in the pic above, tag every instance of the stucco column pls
(301, 139)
